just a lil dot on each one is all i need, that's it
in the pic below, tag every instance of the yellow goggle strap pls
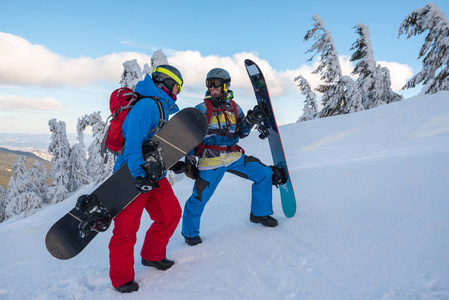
(171, 74)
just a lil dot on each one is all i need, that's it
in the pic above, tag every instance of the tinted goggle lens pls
(214, 82)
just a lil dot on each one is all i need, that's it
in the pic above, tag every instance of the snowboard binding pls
(279, 177)
(154, 165)
(96, 217)
(263, 130)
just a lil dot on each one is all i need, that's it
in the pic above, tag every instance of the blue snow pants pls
(247, 167)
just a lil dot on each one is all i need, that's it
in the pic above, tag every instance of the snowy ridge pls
(372, 223)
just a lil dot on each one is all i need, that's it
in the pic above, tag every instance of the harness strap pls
(203, 146)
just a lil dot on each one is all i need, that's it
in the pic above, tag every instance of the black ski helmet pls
(222, 75)
(168, 76)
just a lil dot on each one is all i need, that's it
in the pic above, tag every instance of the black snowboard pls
(269, 128)
(182, 133)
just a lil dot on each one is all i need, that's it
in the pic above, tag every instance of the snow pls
(372, 223)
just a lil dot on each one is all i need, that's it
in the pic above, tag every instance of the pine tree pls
(60, 148)
(365, 67)
(16, 187)
(435, 49)
(382, 92)
(158, 59)
(77, 171)
(352, 91)
(37, 178)
(26, 189)
(131, 75)
(2, 203)
(334, 98)
(96, 168)
(310, 111)
(373, 82)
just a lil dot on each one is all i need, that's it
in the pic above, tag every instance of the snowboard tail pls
(268, 128)
(182, 133)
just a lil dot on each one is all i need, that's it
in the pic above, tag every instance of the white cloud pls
(19, 103)
(24, 63)
(32, 64)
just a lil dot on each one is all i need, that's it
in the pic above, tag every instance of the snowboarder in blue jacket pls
(219, 153)
(158, 198)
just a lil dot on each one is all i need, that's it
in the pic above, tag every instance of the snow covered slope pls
(372, 223)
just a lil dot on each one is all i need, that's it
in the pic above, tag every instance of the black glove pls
(179, 167)
(192, 171)
(144, 184)
(260, 112)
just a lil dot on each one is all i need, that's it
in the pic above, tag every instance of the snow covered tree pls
(2, 203)
(353, 94)
(310, 111)
(77, 171)
(16, 187)
(131, 75)
(37, 178)
(373, 82)
(365, 67)
(26, 189)
(334, 98)
(96, 168)
(382, 92)
(435, 49)
(60, 148)
(157, 59)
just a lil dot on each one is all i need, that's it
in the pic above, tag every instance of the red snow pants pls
(165, 211)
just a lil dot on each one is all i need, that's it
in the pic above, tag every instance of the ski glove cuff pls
(192, 171)
(179, 167)
(144, 184)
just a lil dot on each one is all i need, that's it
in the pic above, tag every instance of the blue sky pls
(63, 58)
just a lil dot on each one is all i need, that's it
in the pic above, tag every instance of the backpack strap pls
(162, 120)
(210, 109)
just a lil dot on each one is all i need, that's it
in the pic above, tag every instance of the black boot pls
(192, 241)
(268, 221)
(163, 264)
(129, 287)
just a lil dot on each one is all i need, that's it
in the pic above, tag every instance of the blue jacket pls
(142, 118)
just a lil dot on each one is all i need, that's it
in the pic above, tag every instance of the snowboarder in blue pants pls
(219, 153)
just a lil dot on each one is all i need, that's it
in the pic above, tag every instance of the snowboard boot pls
(163, 264)
(280, 176)
(192, 241)
(129, 287)
(268, 221)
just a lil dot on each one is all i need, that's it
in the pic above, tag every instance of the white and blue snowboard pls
(268, 127)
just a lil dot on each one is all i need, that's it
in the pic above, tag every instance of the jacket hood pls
(147, 87)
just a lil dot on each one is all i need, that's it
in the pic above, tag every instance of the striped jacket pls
(224, 130)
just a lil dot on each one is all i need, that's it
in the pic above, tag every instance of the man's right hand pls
(192, 171)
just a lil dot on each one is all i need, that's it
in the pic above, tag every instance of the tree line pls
(342, 95)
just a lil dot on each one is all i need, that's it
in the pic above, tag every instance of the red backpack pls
(120, 103)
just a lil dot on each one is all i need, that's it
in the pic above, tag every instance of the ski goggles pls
(171, 75)
(215, 82)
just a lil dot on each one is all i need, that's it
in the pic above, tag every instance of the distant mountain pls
(31, 142)
(8, 157)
